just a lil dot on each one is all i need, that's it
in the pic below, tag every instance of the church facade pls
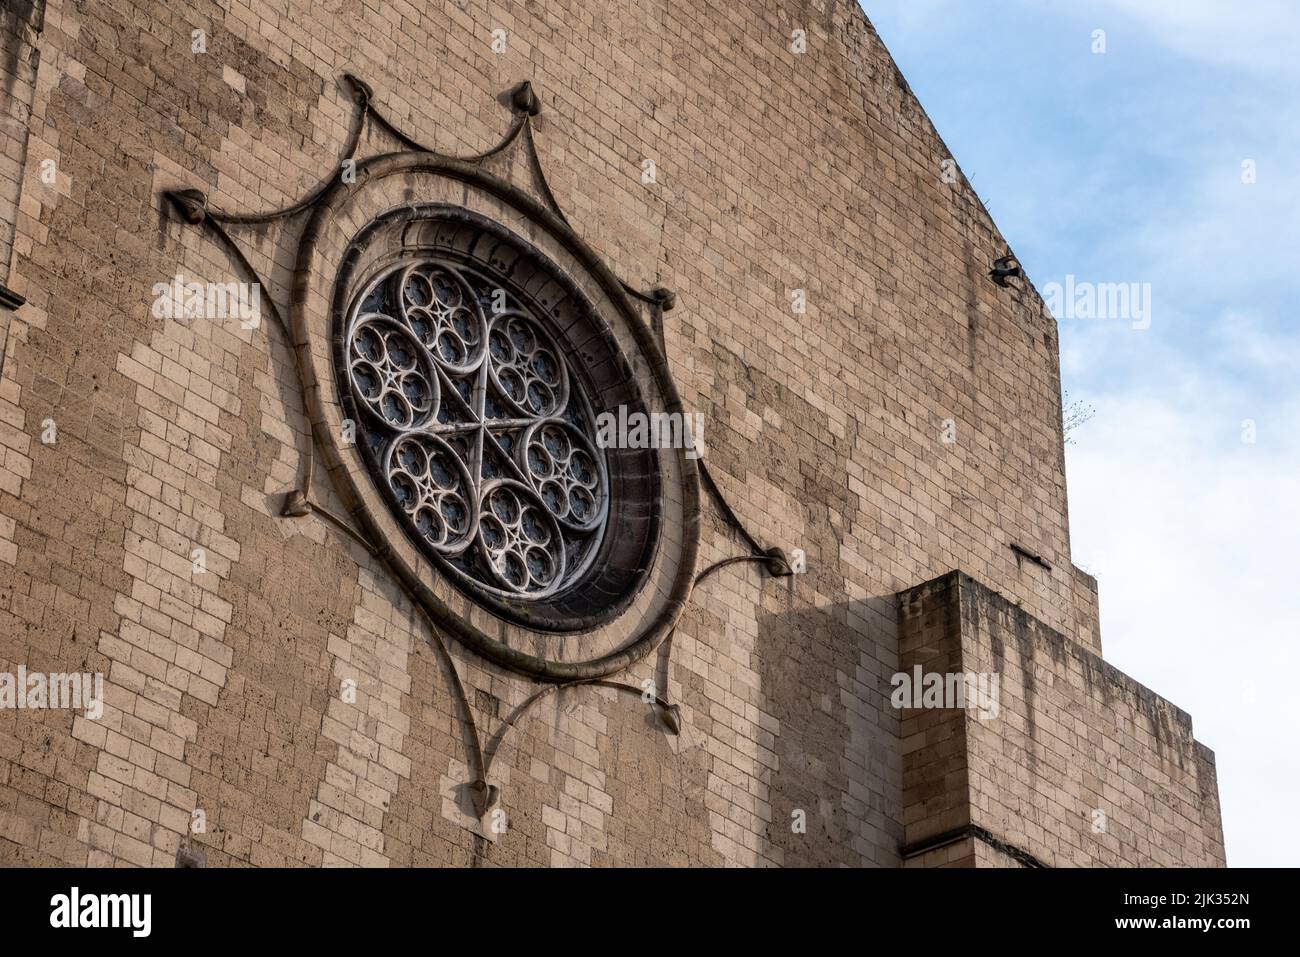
(464, 433)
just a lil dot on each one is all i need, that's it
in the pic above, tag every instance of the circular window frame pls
(402, 180)
(615, 567)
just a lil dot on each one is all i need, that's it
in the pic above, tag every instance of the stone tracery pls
(481, 436)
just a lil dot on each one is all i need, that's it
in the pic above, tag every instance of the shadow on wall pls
(835, 781)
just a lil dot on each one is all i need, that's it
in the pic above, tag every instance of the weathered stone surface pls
(905, 423)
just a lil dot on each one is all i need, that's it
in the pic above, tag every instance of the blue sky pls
(1127, 166)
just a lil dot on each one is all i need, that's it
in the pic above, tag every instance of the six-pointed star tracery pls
(482, 435)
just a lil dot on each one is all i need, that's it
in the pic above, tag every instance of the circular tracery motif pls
(389, 374)
(434, 491)
(483, 439)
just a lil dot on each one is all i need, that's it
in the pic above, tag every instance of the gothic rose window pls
(478, 432)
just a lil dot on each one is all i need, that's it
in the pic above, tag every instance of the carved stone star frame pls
(394, 207)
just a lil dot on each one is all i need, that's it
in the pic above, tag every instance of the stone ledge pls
(1082, 727)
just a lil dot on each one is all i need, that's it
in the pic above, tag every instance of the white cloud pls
(1192, 534)
(1259, 36)
(1246, 339)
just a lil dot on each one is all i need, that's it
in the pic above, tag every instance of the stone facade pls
(870, 397)
(1080, 762)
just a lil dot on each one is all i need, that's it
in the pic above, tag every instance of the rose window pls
(481, 436)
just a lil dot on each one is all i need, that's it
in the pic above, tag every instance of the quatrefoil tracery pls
(482, 436)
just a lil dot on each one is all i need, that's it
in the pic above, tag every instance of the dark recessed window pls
(483, 438)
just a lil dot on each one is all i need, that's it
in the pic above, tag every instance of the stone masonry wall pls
(1079, 766)
(906, 423)
(20, 26)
